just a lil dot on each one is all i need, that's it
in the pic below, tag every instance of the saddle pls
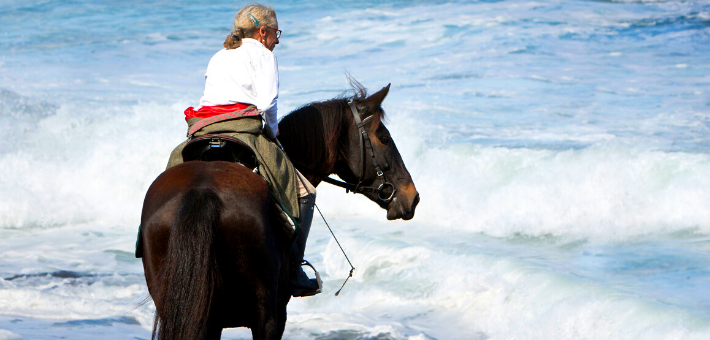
(217, 147)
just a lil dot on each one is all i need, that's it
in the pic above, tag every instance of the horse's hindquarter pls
(257, 250)
(250, 252)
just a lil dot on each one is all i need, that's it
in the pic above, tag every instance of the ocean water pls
(561, 150)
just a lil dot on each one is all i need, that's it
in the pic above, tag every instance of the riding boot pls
(299, 283)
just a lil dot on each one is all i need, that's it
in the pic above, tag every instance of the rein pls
(365, 143)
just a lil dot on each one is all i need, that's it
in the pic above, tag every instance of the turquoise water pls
(560, 149)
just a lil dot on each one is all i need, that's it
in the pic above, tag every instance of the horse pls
(215, 253)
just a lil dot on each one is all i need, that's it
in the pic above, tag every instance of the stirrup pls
(301, 292)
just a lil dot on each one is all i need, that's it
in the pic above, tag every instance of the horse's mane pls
(310, 133)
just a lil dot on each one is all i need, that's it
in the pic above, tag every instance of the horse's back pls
(225, 178)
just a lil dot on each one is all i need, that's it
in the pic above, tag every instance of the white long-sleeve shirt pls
(248, 74)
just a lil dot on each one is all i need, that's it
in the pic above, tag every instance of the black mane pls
(310, 134)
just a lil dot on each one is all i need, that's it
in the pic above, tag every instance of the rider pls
(241, 89)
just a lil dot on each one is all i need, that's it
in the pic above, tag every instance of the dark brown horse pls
(215, 252)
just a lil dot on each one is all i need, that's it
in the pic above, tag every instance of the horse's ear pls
(374, 101)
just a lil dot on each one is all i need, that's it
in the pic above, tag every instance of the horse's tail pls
(189, 277)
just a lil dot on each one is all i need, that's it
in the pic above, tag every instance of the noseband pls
(365, 143)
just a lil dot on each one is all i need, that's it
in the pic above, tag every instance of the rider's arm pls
(267, 89)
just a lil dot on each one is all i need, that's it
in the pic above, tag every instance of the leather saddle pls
(217, 147)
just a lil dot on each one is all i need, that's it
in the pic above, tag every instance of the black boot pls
(299, 283)
(139, 243)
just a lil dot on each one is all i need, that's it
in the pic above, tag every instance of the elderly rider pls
(241, 91)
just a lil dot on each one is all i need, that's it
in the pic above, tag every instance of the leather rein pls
(365, 143)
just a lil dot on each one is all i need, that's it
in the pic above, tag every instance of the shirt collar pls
(252, 41)
(255, 42)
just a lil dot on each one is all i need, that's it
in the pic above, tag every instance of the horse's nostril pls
(415, 202)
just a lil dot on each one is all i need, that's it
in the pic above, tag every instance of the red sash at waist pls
(214, 114)
(211, 111)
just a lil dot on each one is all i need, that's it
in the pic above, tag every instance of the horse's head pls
(393, 188)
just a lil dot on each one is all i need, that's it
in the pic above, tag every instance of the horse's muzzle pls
(403, 204)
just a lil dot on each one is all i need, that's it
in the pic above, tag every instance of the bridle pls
(365, 143)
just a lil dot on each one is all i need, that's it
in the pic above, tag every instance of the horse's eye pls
(385, 140)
